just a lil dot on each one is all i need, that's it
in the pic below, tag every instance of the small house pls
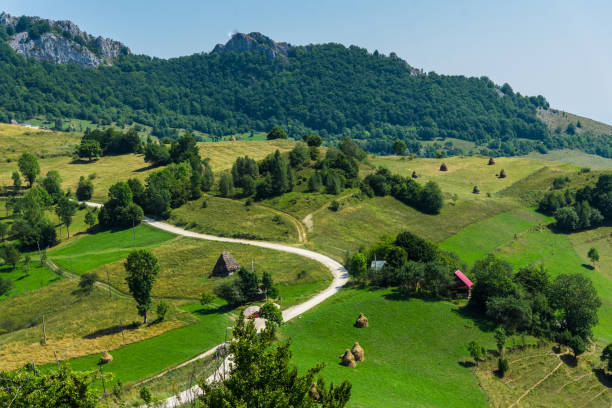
(226, 265)
(462, 283)
(377, 265)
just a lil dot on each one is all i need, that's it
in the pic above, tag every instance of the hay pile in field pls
(491, 161)
(357, 352)
(443, 167)
(313, 393)
(348, 359)
(106, 358)
(362, 321)
(502, 174)
(476, 190)
(414, 175)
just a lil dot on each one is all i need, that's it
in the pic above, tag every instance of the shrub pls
(334, 205)
(162, 310)
(145, 394)
(5, 286)
(87, 282)
(502, 366)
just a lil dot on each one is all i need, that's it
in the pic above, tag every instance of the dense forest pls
(327, 89)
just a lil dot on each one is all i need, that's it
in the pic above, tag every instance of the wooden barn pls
(462, 283)
(226, 265)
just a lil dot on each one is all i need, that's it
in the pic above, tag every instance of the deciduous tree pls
(142, 270)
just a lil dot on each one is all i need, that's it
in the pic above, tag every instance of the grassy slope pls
(75, 324)
(362, 222)
(36, 277)
(571, 385)
(411, 360)
(554, 118)
(186, 265)
(143, 359)
(575, 157)
(226, 217)
(223, 154)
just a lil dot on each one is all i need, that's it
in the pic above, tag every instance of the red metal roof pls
(463, 278)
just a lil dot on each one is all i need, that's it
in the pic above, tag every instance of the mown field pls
(411, 360)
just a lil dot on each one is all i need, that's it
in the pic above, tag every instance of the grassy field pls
(465, 172)
(186, 265)
(27, 279)
(361, 222)
(143, 359)
(76, 324)
(223, 154)
(232, 218)
(14, 140)
(546, 377)
(575, 157)
(479, 239)
(411, 360)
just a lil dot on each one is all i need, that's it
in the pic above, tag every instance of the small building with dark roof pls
(226, 265)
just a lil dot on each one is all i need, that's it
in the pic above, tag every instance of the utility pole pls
(103, 385)
(122, 332)
(110, 293)
(44, 330)
(133, 231)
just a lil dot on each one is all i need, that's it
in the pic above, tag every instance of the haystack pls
(414, 175)
(106, 358)
(314, 394)
(476, 190)
(348, 359)
(491, 161)
(357, 352)
(443, 167)
(502, 174)
(362, 321)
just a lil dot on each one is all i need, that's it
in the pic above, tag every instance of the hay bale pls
(414, 175)
(491, 161)
(313, 393)
(502, 174)
(348, 359)
(443, 167)
(362, 322)
(476, 190)
(106, 358)
(357, 352)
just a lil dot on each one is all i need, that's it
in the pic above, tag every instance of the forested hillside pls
(327, 89)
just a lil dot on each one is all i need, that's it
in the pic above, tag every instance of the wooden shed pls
(226, 265)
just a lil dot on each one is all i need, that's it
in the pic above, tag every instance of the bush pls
(277, 133)
(145, 394)
(87, 282)
(85, 189)
(5, 286)
(334, 205)
(502, 366)
(162, 310)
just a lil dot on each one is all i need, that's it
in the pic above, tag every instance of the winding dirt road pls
(338, 271)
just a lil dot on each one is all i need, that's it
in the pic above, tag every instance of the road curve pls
(338, 271)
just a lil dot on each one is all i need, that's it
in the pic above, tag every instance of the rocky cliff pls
(61, 42)
(254, 42)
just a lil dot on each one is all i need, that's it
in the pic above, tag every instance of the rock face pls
(65, 43)
(254, 42)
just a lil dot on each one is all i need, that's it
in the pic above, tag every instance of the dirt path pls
(308, 220)
(296, 223)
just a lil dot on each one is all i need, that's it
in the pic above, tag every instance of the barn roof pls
(225, 265)
(463, 278)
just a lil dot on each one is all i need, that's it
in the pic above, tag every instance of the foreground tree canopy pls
(261, 376)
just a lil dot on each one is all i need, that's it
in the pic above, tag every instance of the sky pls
(559, 49)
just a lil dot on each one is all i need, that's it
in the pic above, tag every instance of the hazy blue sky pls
(560, 49)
